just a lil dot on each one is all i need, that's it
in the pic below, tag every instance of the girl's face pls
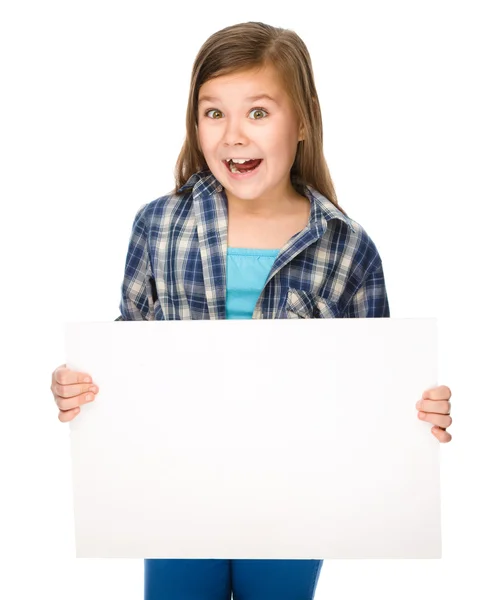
(234, 123)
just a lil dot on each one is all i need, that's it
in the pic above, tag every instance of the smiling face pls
(234, 123)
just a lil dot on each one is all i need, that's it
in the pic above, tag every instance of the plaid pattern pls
(176, 262)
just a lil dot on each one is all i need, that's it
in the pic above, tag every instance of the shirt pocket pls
(301, 304)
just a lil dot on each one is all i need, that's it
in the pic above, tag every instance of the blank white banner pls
(256, 439)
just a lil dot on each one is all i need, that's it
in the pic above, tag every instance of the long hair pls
(251, 45)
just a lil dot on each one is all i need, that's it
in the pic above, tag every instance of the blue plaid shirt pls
(176, 262)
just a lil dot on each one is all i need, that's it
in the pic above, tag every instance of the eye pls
(257, 110)
(211, 110)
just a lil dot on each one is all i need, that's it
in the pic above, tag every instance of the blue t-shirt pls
(247, 270)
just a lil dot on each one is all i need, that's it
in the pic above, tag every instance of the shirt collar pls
(205, 182)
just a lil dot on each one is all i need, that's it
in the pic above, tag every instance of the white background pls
(92, 120)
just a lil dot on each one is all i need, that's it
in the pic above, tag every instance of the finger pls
(442, 392)
(440, 420)
(70, 403)
(441, 435)
(66, 376)
(436, 406)
(69, 391)
(68, 415)
(53, 375)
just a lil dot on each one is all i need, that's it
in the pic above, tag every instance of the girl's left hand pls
(434, 407)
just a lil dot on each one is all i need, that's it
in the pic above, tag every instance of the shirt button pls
(220, 188)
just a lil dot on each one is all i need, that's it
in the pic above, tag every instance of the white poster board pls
(256, 439)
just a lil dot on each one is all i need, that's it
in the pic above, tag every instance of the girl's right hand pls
(70, 390)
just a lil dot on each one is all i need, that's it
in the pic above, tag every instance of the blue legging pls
(216, 579)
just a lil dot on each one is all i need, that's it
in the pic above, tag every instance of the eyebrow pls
(250, 98)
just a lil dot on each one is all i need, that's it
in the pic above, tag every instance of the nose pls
(233, 132)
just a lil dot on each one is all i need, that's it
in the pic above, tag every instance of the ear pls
(301, 133)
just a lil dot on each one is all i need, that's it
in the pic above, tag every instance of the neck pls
(266, 207)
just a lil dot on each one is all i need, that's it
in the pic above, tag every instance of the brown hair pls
(252, 45)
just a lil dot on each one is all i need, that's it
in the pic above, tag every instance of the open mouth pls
(247, 167)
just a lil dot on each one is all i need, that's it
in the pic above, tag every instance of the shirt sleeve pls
(370, 300)
(137, 302)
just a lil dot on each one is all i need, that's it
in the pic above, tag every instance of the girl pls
(252, 229)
